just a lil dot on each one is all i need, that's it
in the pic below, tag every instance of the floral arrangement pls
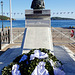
(28, 64)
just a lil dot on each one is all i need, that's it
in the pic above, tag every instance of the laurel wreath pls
(27, 67)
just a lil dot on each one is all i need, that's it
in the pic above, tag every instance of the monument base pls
(37, 37)
(38, 30)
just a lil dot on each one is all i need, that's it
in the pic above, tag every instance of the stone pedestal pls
(37, 18)
(37, 30)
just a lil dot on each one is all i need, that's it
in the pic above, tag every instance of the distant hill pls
(60, 18)
(5, 18)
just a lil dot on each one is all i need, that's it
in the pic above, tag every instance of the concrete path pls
(7, 57)
(60, 53)
(65, 58)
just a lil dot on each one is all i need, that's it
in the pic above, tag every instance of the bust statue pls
(37, 4)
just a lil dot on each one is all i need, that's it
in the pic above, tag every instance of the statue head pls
(38, 4)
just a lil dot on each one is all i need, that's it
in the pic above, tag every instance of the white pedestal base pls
(37, 37)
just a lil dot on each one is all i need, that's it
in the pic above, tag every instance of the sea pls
(54, 23)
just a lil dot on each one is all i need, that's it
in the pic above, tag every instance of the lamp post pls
(11, 37)
(2, 13)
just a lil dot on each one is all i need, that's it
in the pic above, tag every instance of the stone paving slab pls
(68, 62)
(7, 57)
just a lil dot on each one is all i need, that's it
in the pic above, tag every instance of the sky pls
(56, 6)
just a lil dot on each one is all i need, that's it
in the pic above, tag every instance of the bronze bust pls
(38, 4)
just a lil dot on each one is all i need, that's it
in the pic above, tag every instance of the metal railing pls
(4, 37)
(62, 36)
(18, 35)
(59, 36)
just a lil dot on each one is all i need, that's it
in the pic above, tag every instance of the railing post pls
(8, 35)
(3, 37)
(69, 35)
(0, 40)
(61, 35)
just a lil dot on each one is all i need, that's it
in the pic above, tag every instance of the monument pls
(37, 28)
(38, 4)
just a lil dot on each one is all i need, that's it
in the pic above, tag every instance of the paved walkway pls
(60, 53)
(65, 58)
(9, 56)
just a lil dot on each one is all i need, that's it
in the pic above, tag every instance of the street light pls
(2, 13)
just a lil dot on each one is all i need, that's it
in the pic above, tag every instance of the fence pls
(62, 36)
(18, 35)
(4, 37)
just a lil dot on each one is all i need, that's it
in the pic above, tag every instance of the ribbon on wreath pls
(40, 69)
(24, 57)
(15, 70)
(38, 54)
(56, 68)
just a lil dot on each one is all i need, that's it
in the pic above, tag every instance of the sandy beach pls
(60, 36)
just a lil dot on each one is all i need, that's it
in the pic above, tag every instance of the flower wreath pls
(27, 66)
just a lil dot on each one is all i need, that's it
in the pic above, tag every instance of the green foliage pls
(60, 18)
(49, 68)
(4, 18)
(26, 67)
(7, 70)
